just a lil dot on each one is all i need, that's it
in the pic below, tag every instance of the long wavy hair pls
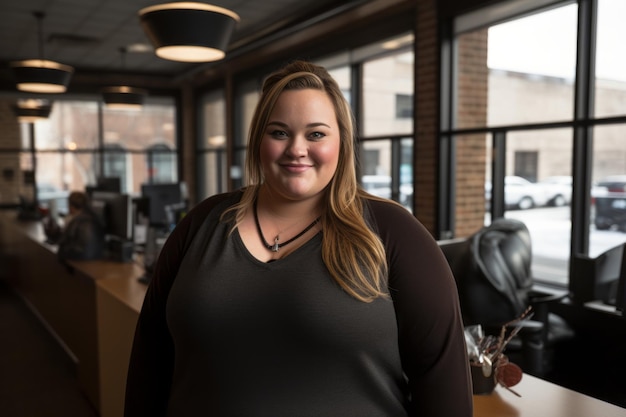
(351, 251)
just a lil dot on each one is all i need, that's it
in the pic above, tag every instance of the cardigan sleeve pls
(431, 338)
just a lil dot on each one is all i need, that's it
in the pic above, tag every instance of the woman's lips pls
(295, 168)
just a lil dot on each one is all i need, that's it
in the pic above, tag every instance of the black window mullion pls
(583, 132)
(498, 172)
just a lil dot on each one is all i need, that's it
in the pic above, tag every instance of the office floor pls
(36, 376)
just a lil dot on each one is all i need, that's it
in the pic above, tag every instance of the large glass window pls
(608, 192)
(538, 191)
(610, 79)
(247, 97)
(139, 130)
(388, 95)
(212, 161)
(66, 150)
(385, 118)
(512, 74)
(515, 84)
(342, 76)
(71, 150)
(532, 63)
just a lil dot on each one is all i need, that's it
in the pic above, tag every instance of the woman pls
(300, 295)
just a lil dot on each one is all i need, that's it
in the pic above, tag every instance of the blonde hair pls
(351, 251)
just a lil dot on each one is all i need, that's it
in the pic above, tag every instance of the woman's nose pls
(297, 146)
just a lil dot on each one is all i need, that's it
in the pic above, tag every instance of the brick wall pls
(471, 149)
(472, 111)
(426, 113)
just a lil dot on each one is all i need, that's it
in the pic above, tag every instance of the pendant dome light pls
(188, 31)
(40, 75)
(123, 97)
(32, 110)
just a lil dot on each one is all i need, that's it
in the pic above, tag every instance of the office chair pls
(495, 287)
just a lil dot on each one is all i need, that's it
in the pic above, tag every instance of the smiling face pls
(300, 146)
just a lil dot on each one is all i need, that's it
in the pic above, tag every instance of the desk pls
(119, 303)
(91, 307)
(540, 398)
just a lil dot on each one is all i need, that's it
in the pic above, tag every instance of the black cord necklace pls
(276, 246)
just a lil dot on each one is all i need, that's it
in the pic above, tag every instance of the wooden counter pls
(90, 307)
(540, 398)
(119, 303)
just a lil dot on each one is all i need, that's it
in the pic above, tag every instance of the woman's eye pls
(278, 133)
(317, 135)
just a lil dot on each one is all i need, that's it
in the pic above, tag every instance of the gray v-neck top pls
(224, 334)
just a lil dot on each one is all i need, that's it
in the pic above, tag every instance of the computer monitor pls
(115, 210)
(161, 198)
(105, 184)
(113, 184)
(596, 279)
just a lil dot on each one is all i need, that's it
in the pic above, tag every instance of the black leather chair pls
(493, 273)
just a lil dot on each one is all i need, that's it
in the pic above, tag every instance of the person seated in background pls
(82, 238)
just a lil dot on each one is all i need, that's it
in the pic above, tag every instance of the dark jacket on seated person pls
(83, 236)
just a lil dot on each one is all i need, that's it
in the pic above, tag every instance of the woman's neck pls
(285, 210)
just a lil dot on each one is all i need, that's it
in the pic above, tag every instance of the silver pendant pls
(275, 247)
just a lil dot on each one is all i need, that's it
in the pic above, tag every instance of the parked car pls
(609, 199)
(380, 185)
(558, 189)
(519, 193)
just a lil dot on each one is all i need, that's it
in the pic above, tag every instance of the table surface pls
(128, 291)
(541, 398)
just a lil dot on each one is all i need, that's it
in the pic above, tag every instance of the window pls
(116, 164)
(610, 76)
(246, 99)
(608, 190)
(386, 120)
(161, 163)
(384, 80)
(513, 120)
(70, 151)
(212, 162)
(404, 106)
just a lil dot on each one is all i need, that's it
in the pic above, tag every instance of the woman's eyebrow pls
(284, 125)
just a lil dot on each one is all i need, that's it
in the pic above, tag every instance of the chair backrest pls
(496, 287)
(457, 253)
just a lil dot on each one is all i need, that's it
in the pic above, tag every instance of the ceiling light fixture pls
(32, 110)
(188, 31)
(123, 97)
(41, 75)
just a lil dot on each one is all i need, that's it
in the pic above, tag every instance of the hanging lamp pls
(123, 97)
(40, 75)
(188, 31)
(32, 110)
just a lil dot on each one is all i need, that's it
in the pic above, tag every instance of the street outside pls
(550, 230)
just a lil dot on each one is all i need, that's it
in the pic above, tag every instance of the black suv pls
(609, 196)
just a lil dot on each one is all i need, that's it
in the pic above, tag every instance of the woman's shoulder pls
(214, 204)
(383, 209)
(391, 220)
(209, 203)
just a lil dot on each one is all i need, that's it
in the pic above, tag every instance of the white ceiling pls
(88, 34)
